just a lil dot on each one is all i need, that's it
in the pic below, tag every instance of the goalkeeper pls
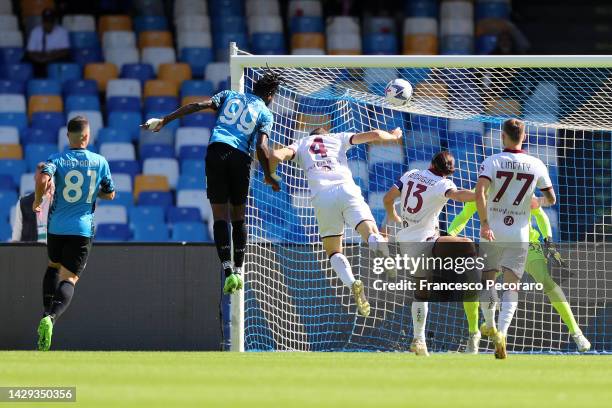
(540, 254)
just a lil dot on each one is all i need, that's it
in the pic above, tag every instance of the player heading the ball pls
(243, 122)
(336, 199)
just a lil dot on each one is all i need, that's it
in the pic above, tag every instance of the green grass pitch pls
(253, 380)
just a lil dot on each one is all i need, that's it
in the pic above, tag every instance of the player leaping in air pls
(505, 187)
(423, 194)
(243, 122)
(336, 198)
(541, 254)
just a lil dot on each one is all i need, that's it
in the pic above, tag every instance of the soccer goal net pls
(292, 298)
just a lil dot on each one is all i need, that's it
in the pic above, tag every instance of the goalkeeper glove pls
(551, 253)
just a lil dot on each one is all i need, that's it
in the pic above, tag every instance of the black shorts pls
(228, 174)
(70, 251)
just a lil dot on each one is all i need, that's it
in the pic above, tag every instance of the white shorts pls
(509, 255)
(339, 205)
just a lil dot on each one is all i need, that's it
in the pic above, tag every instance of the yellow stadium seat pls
(11, 151)
(114, 23)
(503, 107)
(421, 44)
(101, 73)
(437, 90)
(45, 103)
(308, 40)
(150, 182)
(344, 52)
(158, 87)
(155, 39)
(35, 7)
(177, 72)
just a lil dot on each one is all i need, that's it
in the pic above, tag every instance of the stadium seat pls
(167, 167)
(127, 122)
(81, 87)
(13, 70)
(268, 43)
(150, 23)
(151, 232)
(114, 23)
(155, 39)
(379, 44)
(183, 214)
(123, 104)
(119, 39)
(8, 198)
(15, 119)
(84, 39)
(63, 72)
(262, 8)
(11, 87)
(190, 232)
(11, 151)
(13, 167)
(269, 24)
(7, 182)
(9, 135)
(118, 151)
(308, 41)
(8, 22)
(306, 24)
(51, 121)
(177, 72)
(12, 56)
(194, 39)
(191, 136)
(190, 7)
(197, 58)
(45, 103)
(11, 38)
(344, 44)
(305, 8)
(123, 182)
(221, 43)
(142, 214)
(376, 24)
(190, 182)
(156, 87)
(113, 135)
(123, 198)
(84, 56)
(217, 72)
(150, 182)
(111, 214)
(44, 87)
(123, 87)
(196, 88)
(79, 22)
(85, 102)
(121, 56)
(112, 232)
(129, 166)
(159, 151)
(161, 104)
(95, 121)
(194, 198)
(12, 103)
(141, 72)
(155, 198)
(192, 152)
(195, 168)
(194, 23)
(101, 73)
(36, 153)
(158, 55)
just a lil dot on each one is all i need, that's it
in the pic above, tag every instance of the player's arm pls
(278, 156)
(482, 186)
(376, 135)
(389, 202)
(263, 155)
(107, 187)
(460, 221)
(42, 184)
(549, 198)
(542, 221)
(550, 250)
(156, 125)
(461, 195)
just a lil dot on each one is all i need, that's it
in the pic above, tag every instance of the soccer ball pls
(398, 92)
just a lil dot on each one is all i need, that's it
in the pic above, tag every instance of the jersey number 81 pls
(235, 111)
(73, 191)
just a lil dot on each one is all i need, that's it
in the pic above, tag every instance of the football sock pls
(239, 238)
(61, 299)
(508, 307)
(563, 308)
(419, 318)
(488, 303)
(471, 313)
(222, 242)
(342, 267)
(49, 286)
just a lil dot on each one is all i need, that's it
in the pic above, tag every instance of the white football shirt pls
(323, 159)
(423, 196)
(514, 176)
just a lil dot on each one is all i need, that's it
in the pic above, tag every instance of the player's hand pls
(37, 205)
(153, 124)
(395, 218)
(534, 203)
(486, 232)
(397, 132)
(551, 253)
(273, 181)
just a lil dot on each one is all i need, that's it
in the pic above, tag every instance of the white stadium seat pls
(123, 182)
(158, 55)
(6, 7)
(308, 51)
(122, 56)
(12, 103)
(190, 7)
(118, 151)
(123, 87)
(344, 42)
(194, 39)
(119, 39)
(111, 214)
(8, 22)
(262, 8)
(26, 184)
(193, 23)
(95, 121)
(217, 72)
(343, 24)
(163, 167)
(11, 38)
(9, 135)
(305, 8)
(191, 136)
(420, 25)
(265, 24)
(79, 22)
(195, 198)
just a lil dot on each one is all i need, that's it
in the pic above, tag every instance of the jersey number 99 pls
(73, 191)
(236, 113)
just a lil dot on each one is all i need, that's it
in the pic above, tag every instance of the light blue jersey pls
(240, 118)
(79, 176)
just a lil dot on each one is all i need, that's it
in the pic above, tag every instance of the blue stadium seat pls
(84, 56)
(84, 39)
(150, 23)
(112, 232)
(128, 122)
(221, 43)
(8, 198)
(191, 182)
(307, 24)
(112, 135)
(161, 104)
(229, 21)
(379, 44)
(11, 55)
(144, 214)
(383, 175)
(192, 152)
(149, 151)
(82, 102)
(131, 167)
(44, 87)
(81, 87)
(492, 9)
(123, 104)
(19, 72)
(205, 119)
(36, 153)
(193, 167)
(268, 43)
(48, 120)
(196, 88)
(11, 87)
(219, 8)
(190, 232)
(63, 72)
(223, 85)
(123, 198)
(7, 182)
(183, 214)
(15, 119)
(5, 231)
(14, 168)
(156, 198)
(457, 45)
(197, 58)
(151, 232)
(421, 8)
(142, 72)
(485, 44)
(38, 135)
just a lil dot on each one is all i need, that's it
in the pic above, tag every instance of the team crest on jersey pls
(508, 220)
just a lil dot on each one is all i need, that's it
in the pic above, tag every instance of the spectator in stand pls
(30, 226)
(47, 43)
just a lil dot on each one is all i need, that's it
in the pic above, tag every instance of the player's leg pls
(488, 296)
(49, 285)
(419, 311)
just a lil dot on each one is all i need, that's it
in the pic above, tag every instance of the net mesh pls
(293, 300)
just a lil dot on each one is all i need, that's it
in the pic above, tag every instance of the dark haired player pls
(243, 121)
(80, 177)
(424, 194)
